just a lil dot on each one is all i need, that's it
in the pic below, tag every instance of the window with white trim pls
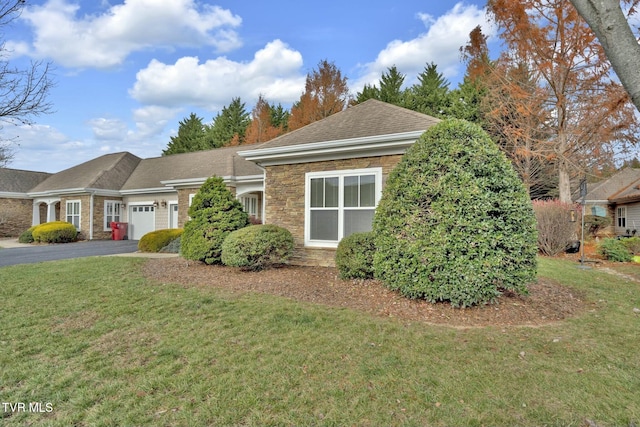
(340, 203)
(621, 216)
(250, 205)
(112, 212)
(73, 212)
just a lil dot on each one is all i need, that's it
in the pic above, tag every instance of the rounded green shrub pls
(27, 235)
(257, 247)
(214, 214)
(354, 256)
(158, 239)
(455, 222)
(55, 232)
(614, 250)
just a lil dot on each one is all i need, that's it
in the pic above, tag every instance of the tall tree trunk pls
(607, 21)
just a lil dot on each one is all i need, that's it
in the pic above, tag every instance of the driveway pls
(38, 253)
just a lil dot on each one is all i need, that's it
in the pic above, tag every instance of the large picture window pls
(73, 213)
(340, 203)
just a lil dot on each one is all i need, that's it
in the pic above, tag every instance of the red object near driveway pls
(119, 230)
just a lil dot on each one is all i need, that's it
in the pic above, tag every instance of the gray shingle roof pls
(108, 172)
(370, 118)
(609, 188)
(20, 181)
(199, 164)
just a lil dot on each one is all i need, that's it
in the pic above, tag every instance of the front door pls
(173, 215)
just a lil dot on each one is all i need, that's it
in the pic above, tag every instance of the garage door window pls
(142, 209)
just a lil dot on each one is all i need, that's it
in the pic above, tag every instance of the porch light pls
(155, 204)
(163, 203)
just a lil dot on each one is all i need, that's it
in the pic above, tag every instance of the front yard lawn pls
(91, 342)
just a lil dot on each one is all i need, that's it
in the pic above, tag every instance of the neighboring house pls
(16, 207)
(158, 193)
(148, 194)
(324, 181)
(617, 197)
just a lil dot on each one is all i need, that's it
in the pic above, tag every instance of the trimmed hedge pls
(257, 247)
(455, 223)
(55, 232)
(156, 240)
(354, 256)
(214, 213)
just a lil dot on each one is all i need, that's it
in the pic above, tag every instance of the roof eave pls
(330, 150)
(13, 195)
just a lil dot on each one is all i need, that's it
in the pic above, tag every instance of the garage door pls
(142, 221)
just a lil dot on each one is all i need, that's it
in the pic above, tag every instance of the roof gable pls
(614, 186)
(108, 172)
(368, 119)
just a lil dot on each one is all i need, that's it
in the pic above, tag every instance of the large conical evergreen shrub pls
(214, 214)
(454, 222)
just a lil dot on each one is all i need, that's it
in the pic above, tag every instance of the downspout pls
(91, 215)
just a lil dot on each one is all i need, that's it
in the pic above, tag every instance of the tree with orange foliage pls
(326, 93)
(262, 127)
(586, 113)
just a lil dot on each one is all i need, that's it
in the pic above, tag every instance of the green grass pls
(105, 347)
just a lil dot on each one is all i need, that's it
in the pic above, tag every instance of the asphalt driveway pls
(38, 253)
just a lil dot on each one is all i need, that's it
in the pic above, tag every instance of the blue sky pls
(127, 72)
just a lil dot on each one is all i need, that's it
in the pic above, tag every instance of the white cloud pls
(439, 44)
(274, 71)
(151, 122)
(108, 129)
(106, 40)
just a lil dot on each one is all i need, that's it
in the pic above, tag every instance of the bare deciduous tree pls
(23, 91)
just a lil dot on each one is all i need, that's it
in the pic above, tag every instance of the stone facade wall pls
(284, 187)
(15, 216)
(183, 204)
(99, 230)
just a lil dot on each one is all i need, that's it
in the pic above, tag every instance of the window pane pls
(357, 220)
(351, 191)
(317, 194)
(324, 225)
(367, 191)
(331, 192)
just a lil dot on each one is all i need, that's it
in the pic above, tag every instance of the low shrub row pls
(619, 250)
(50, 232)
(155, 241)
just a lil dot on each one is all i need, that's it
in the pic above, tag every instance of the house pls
(148, 194)
(15, 204)
(322, 182)
(617, 197)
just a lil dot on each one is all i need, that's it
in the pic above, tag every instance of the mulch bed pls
(547, 302)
